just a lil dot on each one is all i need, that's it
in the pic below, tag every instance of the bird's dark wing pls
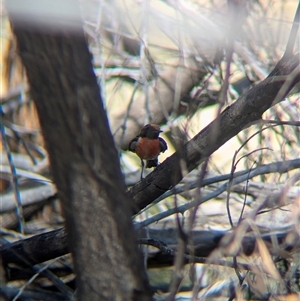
(132, 144)
(163, 145)
(151, 163)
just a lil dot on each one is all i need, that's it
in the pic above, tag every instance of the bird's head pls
(151, 131)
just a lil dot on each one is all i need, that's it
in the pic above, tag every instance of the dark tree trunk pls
(84, 163)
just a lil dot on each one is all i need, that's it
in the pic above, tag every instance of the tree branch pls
(246, 110)
(46, 246)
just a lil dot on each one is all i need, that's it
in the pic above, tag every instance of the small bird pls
(148, 145)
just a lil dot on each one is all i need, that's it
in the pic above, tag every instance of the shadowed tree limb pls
(247, 110)
(46, 246)
(83, 157)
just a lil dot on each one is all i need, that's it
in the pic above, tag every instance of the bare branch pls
(246, 110)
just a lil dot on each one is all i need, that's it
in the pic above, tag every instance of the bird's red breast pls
(148, 145)
(147, 149)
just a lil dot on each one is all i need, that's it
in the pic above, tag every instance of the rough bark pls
(84, 162)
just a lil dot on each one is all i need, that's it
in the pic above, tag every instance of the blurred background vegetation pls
(166, 62)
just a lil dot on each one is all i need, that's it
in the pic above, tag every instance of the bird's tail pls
(151, 163)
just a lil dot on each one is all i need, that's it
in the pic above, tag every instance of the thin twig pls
(280, 167)
(21, 290)
(293, 34)
(234, 165)
(14, 178)
(245, 197)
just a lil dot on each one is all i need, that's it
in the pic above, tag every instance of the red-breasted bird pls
(148, 145)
